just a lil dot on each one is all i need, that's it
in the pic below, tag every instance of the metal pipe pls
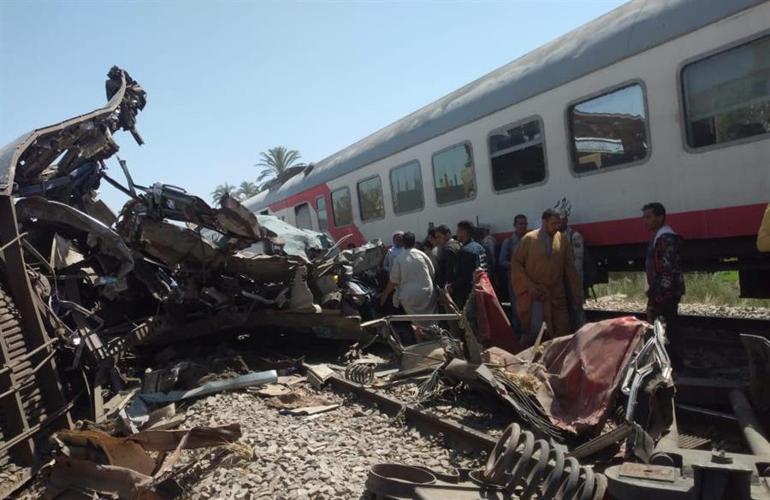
(411, 317)
(747, 419)
(706, 411)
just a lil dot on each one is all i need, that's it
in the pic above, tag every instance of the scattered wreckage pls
(82, 289)
(79, 285)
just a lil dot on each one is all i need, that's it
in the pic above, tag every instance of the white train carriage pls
(655, 101)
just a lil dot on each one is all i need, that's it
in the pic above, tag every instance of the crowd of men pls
(539, 271)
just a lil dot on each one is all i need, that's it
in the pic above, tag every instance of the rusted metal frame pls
(459, 435)
(16, 420)
(19, 237)
(17, 386)
(19, 360)
(33, 329)
(28, 433)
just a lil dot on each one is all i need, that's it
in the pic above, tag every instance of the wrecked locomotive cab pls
(34, 396)
(79, 286)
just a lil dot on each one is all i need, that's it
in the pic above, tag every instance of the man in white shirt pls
(411, 280)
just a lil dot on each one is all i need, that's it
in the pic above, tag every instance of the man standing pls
(412, 279)
(489, 243)
(431, 245)
(541, 268)
(575, 241)
(446, 256)
(763, 234)
(470, 257)
(665, 281)
(504, 263)
(393, 251)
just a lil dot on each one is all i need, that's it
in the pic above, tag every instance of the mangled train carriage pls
(79, 284)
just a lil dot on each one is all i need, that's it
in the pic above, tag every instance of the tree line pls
(272, 163)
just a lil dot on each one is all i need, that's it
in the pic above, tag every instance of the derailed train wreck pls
(79, 285)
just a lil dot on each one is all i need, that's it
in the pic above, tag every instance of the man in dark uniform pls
(665, 281)
(471, 256)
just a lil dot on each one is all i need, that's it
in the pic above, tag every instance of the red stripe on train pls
(716, 223)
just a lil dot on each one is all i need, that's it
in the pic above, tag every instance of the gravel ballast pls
(621, 303)
(318, 457)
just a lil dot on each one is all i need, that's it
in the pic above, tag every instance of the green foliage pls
(223, 189)
(719, 288)
(247, 189)
(275, 161)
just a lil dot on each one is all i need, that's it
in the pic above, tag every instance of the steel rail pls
(461, 436)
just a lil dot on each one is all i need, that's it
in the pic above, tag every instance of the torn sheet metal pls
(197, 437)
(91, 460)
(102, 448)
(579, 375)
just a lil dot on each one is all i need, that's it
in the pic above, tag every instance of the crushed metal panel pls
(295, 241)
(99, 235)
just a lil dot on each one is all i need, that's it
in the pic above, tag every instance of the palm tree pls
(222, 190)
(275, 161)
(247, 189)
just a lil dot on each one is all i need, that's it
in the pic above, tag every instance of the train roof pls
(621, 33)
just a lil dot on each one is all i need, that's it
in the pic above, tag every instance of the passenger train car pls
(658, 100)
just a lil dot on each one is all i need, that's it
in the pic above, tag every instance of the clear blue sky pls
(226, 80)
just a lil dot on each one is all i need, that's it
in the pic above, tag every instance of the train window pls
(302, 217)
(517, 156)
(406, 188)
(609, 130)
(727, 95)
(370, 199)
(453, 176)
(323, 221)
(342, 207)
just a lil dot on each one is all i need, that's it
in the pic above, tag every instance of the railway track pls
(705, 324)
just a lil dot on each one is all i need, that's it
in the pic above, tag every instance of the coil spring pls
(360, 373)
(532, 468)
